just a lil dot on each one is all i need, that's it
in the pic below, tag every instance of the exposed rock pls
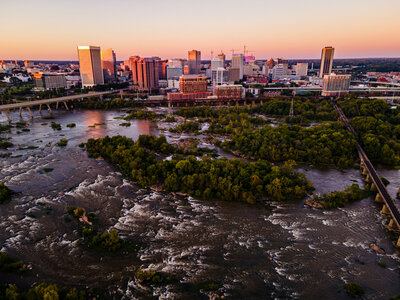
(313, 204)
(377, 249)
(182, 194)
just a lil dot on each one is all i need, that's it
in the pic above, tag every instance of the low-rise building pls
(49, 81)
(192, 84)
(229, 92)
(187, 96)
(336, 85)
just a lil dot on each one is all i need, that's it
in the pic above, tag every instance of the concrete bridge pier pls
(393, 225)
(6, 112)
(385, 210)
(364, 171)
(48, 106)
(66, 106)
(29, 109)
(378, 198)
(261, 102)
(40, 108)
(20, 112)
(253, 102)
(56, 105)
(368, 179)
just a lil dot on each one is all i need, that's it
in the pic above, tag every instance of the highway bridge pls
(28, 104)
(389, 206)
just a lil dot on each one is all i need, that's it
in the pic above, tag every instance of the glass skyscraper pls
(90, 66)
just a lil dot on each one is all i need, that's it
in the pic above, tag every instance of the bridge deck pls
(53, 100)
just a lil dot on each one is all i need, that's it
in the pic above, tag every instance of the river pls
(277, 250)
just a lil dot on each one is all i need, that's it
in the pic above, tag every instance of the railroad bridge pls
(389, 206)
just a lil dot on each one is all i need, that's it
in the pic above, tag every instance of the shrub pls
(5, 193)
(354, 289)
(63, 142)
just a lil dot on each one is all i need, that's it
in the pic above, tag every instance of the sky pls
(294, 29)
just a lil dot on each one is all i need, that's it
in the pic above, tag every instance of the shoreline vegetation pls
(48, 292)
(338, 198)
(231, 180)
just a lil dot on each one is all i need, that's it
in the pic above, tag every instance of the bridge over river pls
(389, 206)
(28, 104)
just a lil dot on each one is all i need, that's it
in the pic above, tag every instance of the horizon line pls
(339, 58)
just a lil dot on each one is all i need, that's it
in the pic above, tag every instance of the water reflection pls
(98, 120)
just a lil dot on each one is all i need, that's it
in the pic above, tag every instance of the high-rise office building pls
(145, 72)
(302, 69)
(176, 62)
(194, 61)
(133, 67)
(216, 63)
(326, 61)
(174, 71)
(90, 66)
(162, 68)
(109, 64)
(222, 56)
(237, 63)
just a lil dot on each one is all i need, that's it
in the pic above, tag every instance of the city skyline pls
(268, 29)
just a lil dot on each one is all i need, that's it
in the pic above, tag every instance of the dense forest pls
(379, 139)
(312, 109)
(326, 144)
(374, 120)
(205, 178)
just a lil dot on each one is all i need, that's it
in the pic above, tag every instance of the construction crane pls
(233, 51)
(246, 51)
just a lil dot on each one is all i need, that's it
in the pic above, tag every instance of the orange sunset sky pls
(48, 29)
